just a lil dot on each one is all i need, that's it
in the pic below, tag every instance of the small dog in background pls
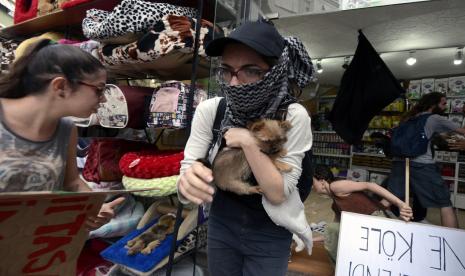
(152, 237)
(230, 167)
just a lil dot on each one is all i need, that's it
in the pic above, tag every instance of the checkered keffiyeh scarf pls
(263, 98)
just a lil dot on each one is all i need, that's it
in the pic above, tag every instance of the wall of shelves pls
(328, 148)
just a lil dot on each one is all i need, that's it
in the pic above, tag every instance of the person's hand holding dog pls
(194, 184)
(239, 138)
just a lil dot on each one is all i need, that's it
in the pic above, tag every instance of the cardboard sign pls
(43, 233)
(370, 245)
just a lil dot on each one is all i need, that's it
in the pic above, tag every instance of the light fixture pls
(458, 58)
(411, 60)
(319, 68)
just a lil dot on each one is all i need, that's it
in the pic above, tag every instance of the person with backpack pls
(260, 73)
(412, 140)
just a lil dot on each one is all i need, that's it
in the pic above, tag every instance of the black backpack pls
(409, 138)
(306, 178)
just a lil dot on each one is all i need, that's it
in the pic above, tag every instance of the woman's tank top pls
(33, 166)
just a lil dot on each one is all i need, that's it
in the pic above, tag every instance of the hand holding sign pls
(405, 211)
(105, 214)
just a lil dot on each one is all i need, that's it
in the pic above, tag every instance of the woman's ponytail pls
(11, 82)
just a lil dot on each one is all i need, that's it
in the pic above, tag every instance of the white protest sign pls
(370, 245)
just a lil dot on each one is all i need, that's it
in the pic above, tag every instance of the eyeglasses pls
(99, 90)
(243, 75)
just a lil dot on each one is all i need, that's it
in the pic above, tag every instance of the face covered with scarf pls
(262, 98)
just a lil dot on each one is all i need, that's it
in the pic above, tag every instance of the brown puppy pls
(230, 167)
(152, 237)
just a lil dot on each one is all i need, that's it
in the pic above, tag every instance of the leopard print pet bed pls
(130, 16)
(171, 33)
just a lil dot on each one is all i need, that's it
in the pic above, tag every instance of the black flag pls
(367, 86)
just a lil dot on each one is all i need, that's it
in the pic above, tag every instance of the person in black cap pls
(259, 75)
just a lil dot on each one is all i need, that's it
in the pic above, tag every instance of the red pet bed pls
(147, 165)
(24, 10)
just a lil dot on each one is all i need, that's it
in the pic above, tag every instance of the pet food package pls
(427, 86)
(445, 156)
(456, 86)
(357, 174)
(414, 89)
(168, 107)
(441, 85)
(456, 105)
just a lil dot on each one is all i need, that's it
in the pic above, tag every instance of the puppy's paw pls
(146, 251)
(300, 245)
(254, 190)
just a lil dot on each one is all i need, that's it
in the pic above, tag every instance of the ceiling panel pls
(416, 26)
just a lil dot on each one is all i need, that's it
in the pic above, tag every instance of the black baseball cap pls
(258, 35)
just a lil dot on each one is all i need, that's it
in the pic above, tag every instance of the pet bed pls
(166, 185)
(117, 253)
(129, 17)
(150, 164)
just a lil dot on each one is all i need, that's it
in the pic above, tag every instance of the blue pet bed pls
(116, 253)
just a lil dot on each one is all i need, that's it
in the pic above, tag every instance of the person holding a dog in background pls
(259, 75)
(425, 177)
(38, 149)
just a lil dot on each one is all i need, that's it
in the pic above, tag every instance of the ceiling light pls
(458, 58)
(411, 60)
(319, 68)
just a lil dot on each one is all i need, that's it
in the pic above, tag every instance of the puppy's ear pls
(256, 126)
(286, 125)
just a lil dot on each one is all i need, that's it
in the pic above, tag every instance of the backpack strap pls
(220, 110)
(281, 113)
